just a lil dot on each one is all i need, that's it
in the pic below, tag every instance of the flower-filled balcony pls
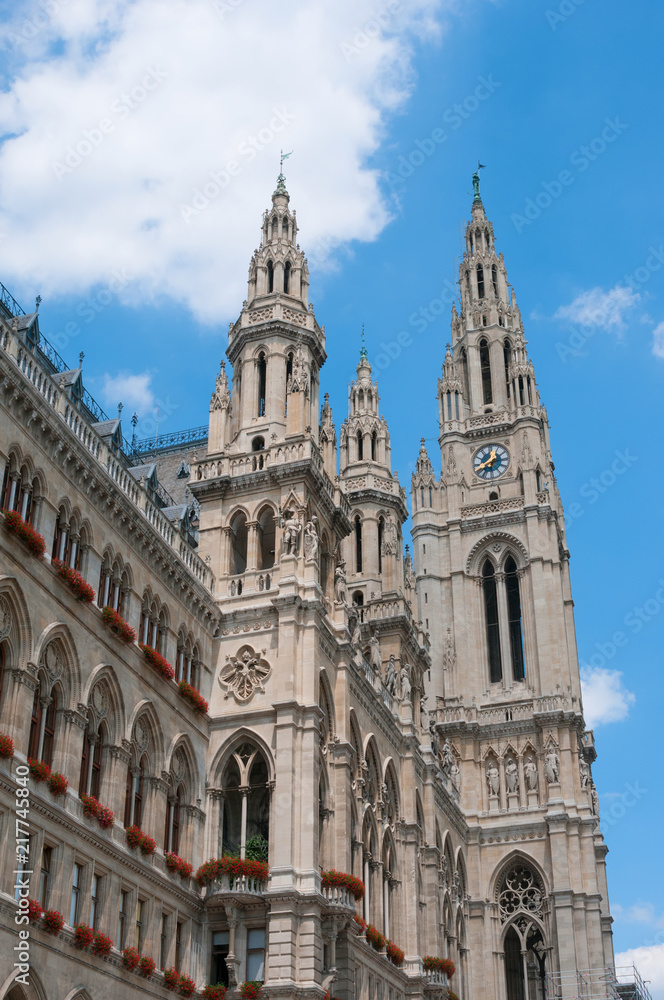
(341, 891)
(233, 879)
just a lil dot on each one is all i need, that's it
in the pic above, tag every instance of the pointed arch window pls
(261, 371)
(134, 793)
(173, 813)
(358, 544)
(514, 619)
(485, 370)
(492, 624)
(360, 446)
(246, 804)
(381, 532)
(494, 279)
(507, 354)
(287, 271)
(239, 543)
(270, 276)
(289, 376)
(91, 759)
(374, 446)
(480, 281)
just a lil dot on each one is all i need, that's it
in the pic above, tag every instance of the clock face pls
(491, 461)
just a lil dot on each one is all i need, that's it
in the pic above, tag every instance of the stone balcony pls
(238, 890)
(338, 899)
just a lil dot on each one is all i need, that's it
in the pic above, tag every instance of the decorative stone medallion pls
(245, 673)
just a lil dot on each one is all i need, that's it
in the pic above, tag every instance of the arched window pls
(266, 539)
(239, 543)
(507, 355)
(360, 447)
(91, 760)
(246, 804)
(42, 725)
(289, 376)
(287, 272)
(284, 228)
(173, 814)
(485, 369)
(492, 626)
(104, 589)
(463, 358)
(261, 371)
(270, 276)
(381, 532)
(520, 897)
(374, 446)
(358, 544)
(480, 281)
(514, 619)
(521, 397)
(61, 538)
(494, 279)
(275, 227)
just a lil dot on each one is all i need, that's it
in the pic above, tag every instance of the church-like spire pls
(364, 433)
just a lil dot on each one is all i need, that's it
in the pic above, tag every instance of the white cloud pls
(133, 391)
(117, 111)
(599, 308)
(649, 961)
(605, 698)
(658, 341)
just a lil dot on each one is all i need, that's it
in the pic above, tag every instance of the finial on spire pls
(281, 180)
(37, 303)
(476, 181)
(363, 352)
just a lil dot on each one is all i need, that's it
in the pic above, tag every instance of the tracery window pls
(520, 889)
(246, 801)
(492, 624)
(42, 725)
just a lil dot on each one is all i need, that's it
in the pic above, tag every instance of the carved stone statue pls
(595, 800)
(292, 526)
(493, 779)
(389, 537)
(404, 683)
(455, 776)
(311, 540)
(355, 636)
(552, 766)
(447, 758)
(584, 769)
(512, 775)
(391, 675)
(530, 774)
(375, 658)
(340, 583)
(424, 715)
(435, 739)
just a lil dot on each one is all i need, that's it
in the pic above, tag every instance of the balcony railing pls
(236, 885)
(338, 896)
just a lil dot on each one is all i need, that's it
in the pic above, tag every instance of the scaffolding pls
(623, 983)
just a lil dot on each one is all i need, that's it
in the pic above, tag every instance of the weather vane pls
(284, 156)
(363, 352)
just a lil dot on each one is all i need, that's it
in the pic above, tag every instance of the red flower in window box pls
(375, 938)
(354, 885)
(34, 910)
(216, 992)
(80, 587)
(361, 923)
(15, 525)
(105, 817)
(91, 806)
(171, 977)
(157, 661)
(395, 955)
(6, 747)
(102, 944)
(130, 959)
(251, 990)
(194, 697)
(83, 935)
(52, 921)
(237, 867)
(57, 783)
(185, 986)
(147, 845)
(433, 964)
(146, 966)
(176, 864)
(118, 625)
(39, 769)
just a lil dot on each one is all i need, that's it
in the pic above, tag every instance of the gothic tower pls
(493, 586)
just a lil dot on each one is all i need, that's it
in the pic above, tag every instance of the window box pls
(375, 938)
(130, 959)
(92, 807)
(113, 621)
(57, 784)
(354, 885)
(52, 921)
(171, 977)
(6, 747)
(176, 864)
(361, 923)
(395, 955)
(433, 964)
(79, 587)
(216, 992)
(194, 697)
(251, 990)
(185, 986)
(102, 944)
(157, 661)
(34, 910)
(15, 525)
(234, 869)
(136, 838)
(39, 769)
(146, 966)
(83, 935)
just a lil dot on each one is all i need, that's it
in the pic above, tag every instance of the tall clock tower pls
(493, 585)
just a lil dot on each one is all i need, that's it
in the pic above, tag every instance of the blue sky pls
(561, 101)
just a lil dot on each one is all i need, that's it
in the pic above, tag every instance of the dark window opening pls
(521, 399)
(360, 446)
(262, 381)
(270, 276)
(287, 274)
(239, 543)
(485, 368)
(358, 544)
(266, 539)
(492, 626)
(381, 529)
(480, 281)
(374, 442)
(507, 354)
(514, 619)
(289, 375)
(220, 947)
(494, 279)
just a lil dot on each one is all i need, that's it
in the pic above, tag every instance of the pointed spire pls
(363, 352)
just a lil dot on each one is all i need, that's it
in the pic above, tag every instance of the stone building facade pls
(413, 721)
